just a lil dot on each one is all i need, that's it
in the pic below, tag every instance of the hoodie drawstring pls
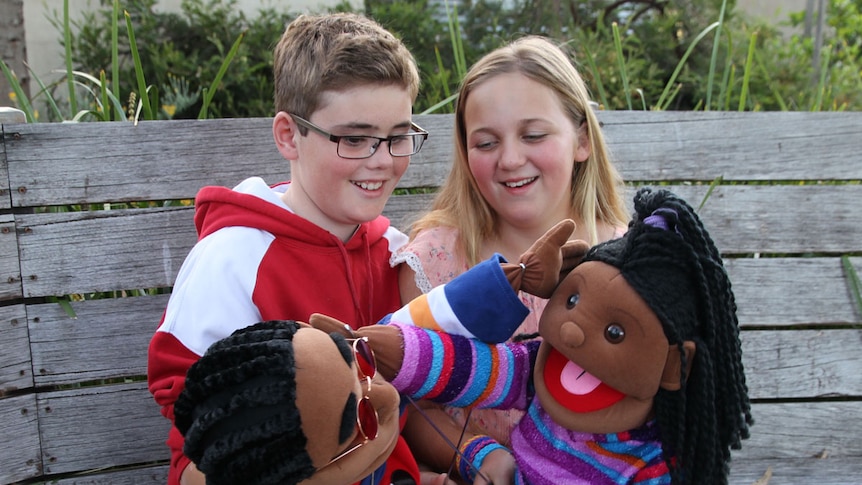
(357, 304)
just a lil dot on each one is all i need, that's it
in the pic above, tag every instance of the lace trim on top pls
(413, 261)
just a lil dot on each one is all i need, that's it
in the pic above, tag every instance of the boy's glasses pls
(363, 146)
(366, 415)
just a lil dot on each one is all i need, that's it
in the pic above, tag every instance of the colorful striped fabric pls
(548, 454)
(463, 372)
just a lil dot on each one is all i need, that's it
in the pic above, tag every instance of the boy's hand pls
(192, 476)
(540, 268)
(431, 478)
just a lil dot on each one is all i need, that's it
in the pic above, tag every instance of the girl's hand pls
(498, 467)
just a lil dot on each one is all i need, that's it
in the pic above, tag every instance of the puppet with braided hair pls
(637, 378)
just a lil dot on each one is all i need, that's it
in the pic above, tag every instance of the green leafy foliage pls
(182, 53)
(636, 54)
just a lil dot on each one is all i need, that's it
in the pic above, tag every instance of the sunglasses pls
(366, 415)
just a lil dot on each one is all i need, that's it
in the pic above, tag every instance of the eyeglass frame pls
(365, 398)
(417, 130)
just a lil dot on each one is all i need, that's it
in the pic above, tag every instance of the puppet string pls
(447, 440)
(460, 440)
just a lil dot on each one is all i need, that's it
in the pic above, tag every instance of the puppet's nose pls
(571, 334)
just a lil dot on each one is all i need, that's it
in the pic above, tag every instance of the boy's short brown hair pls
(332, 52)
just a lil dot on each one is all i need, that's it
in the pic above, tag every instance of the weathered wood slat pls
(105, 416)
(104, 250)
(797, 471)
(5, 196)
(122, 250)
(774, 219)
(153, 160)
(10, 270)
(828, 470)
(96, 427)
(793, 291)
(675, 145)
(16, 372)
(20, 432)
(749, 219)
(120, 328)
(804, 430)
(802, 363)
(134, 162)
(135, 476)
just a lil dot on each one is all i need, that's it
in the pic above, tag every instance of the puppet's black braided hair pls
(238, 410)
(670, 260)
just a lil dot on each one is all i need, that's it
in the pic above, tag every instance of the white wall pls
(771, 10)
(45, 53)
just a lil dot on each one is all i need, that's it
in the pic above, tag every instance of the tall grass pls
(104, 102)
(764, 70)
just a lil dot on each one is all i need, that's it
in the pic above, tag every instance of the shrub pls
(182, 53)
(637, 54)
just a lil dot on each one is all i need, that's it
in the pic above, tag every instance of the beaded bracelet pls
(473, 453)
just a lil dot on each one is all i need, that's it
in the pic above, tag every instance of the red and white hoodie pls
(256, 260)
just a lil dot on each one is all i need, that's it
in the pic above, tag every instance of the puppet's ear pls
(573, 254)
(671, 378)
(328, 324)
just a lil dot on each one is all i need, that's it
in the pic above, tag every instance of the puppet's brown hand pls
(539, 268)
(388, 345)
(386, 341)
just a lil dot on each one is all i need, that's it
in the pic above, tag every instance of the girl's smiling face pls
(521, 149)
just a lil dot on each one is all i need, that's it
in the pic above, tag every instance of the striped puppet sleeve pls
(464, 372)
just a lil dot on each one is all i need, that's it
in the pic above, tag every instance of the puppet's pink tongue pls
(576, 380)
(575, 389)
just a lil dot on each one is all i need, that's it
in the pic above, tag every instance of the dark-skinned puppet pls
(637, 377)
(281, 402)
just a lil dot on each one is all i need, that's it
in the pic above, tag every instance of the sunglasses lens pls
(364, 358)
(367, 419)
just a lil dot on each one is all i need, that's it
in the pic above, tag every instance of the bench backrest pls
(73, 400)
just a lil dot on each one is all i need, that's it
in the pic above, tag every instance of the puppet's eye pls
(615, 333)
(572, 301)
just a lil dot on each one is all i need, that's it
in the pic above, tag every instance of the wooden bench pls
(74, 407)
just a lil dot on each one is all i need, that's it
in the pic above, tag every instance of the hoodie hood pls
(255, 204)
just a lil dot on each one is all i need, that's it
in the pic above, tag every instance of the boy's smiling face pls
(336, 193)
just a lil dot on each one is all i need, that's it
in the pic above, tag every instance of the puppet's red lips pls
(574, 388)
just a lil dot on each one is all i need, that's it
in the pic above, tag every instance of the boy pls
(344, 90)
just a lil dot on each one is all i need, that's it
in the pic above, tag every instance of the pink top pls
(432, 255)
